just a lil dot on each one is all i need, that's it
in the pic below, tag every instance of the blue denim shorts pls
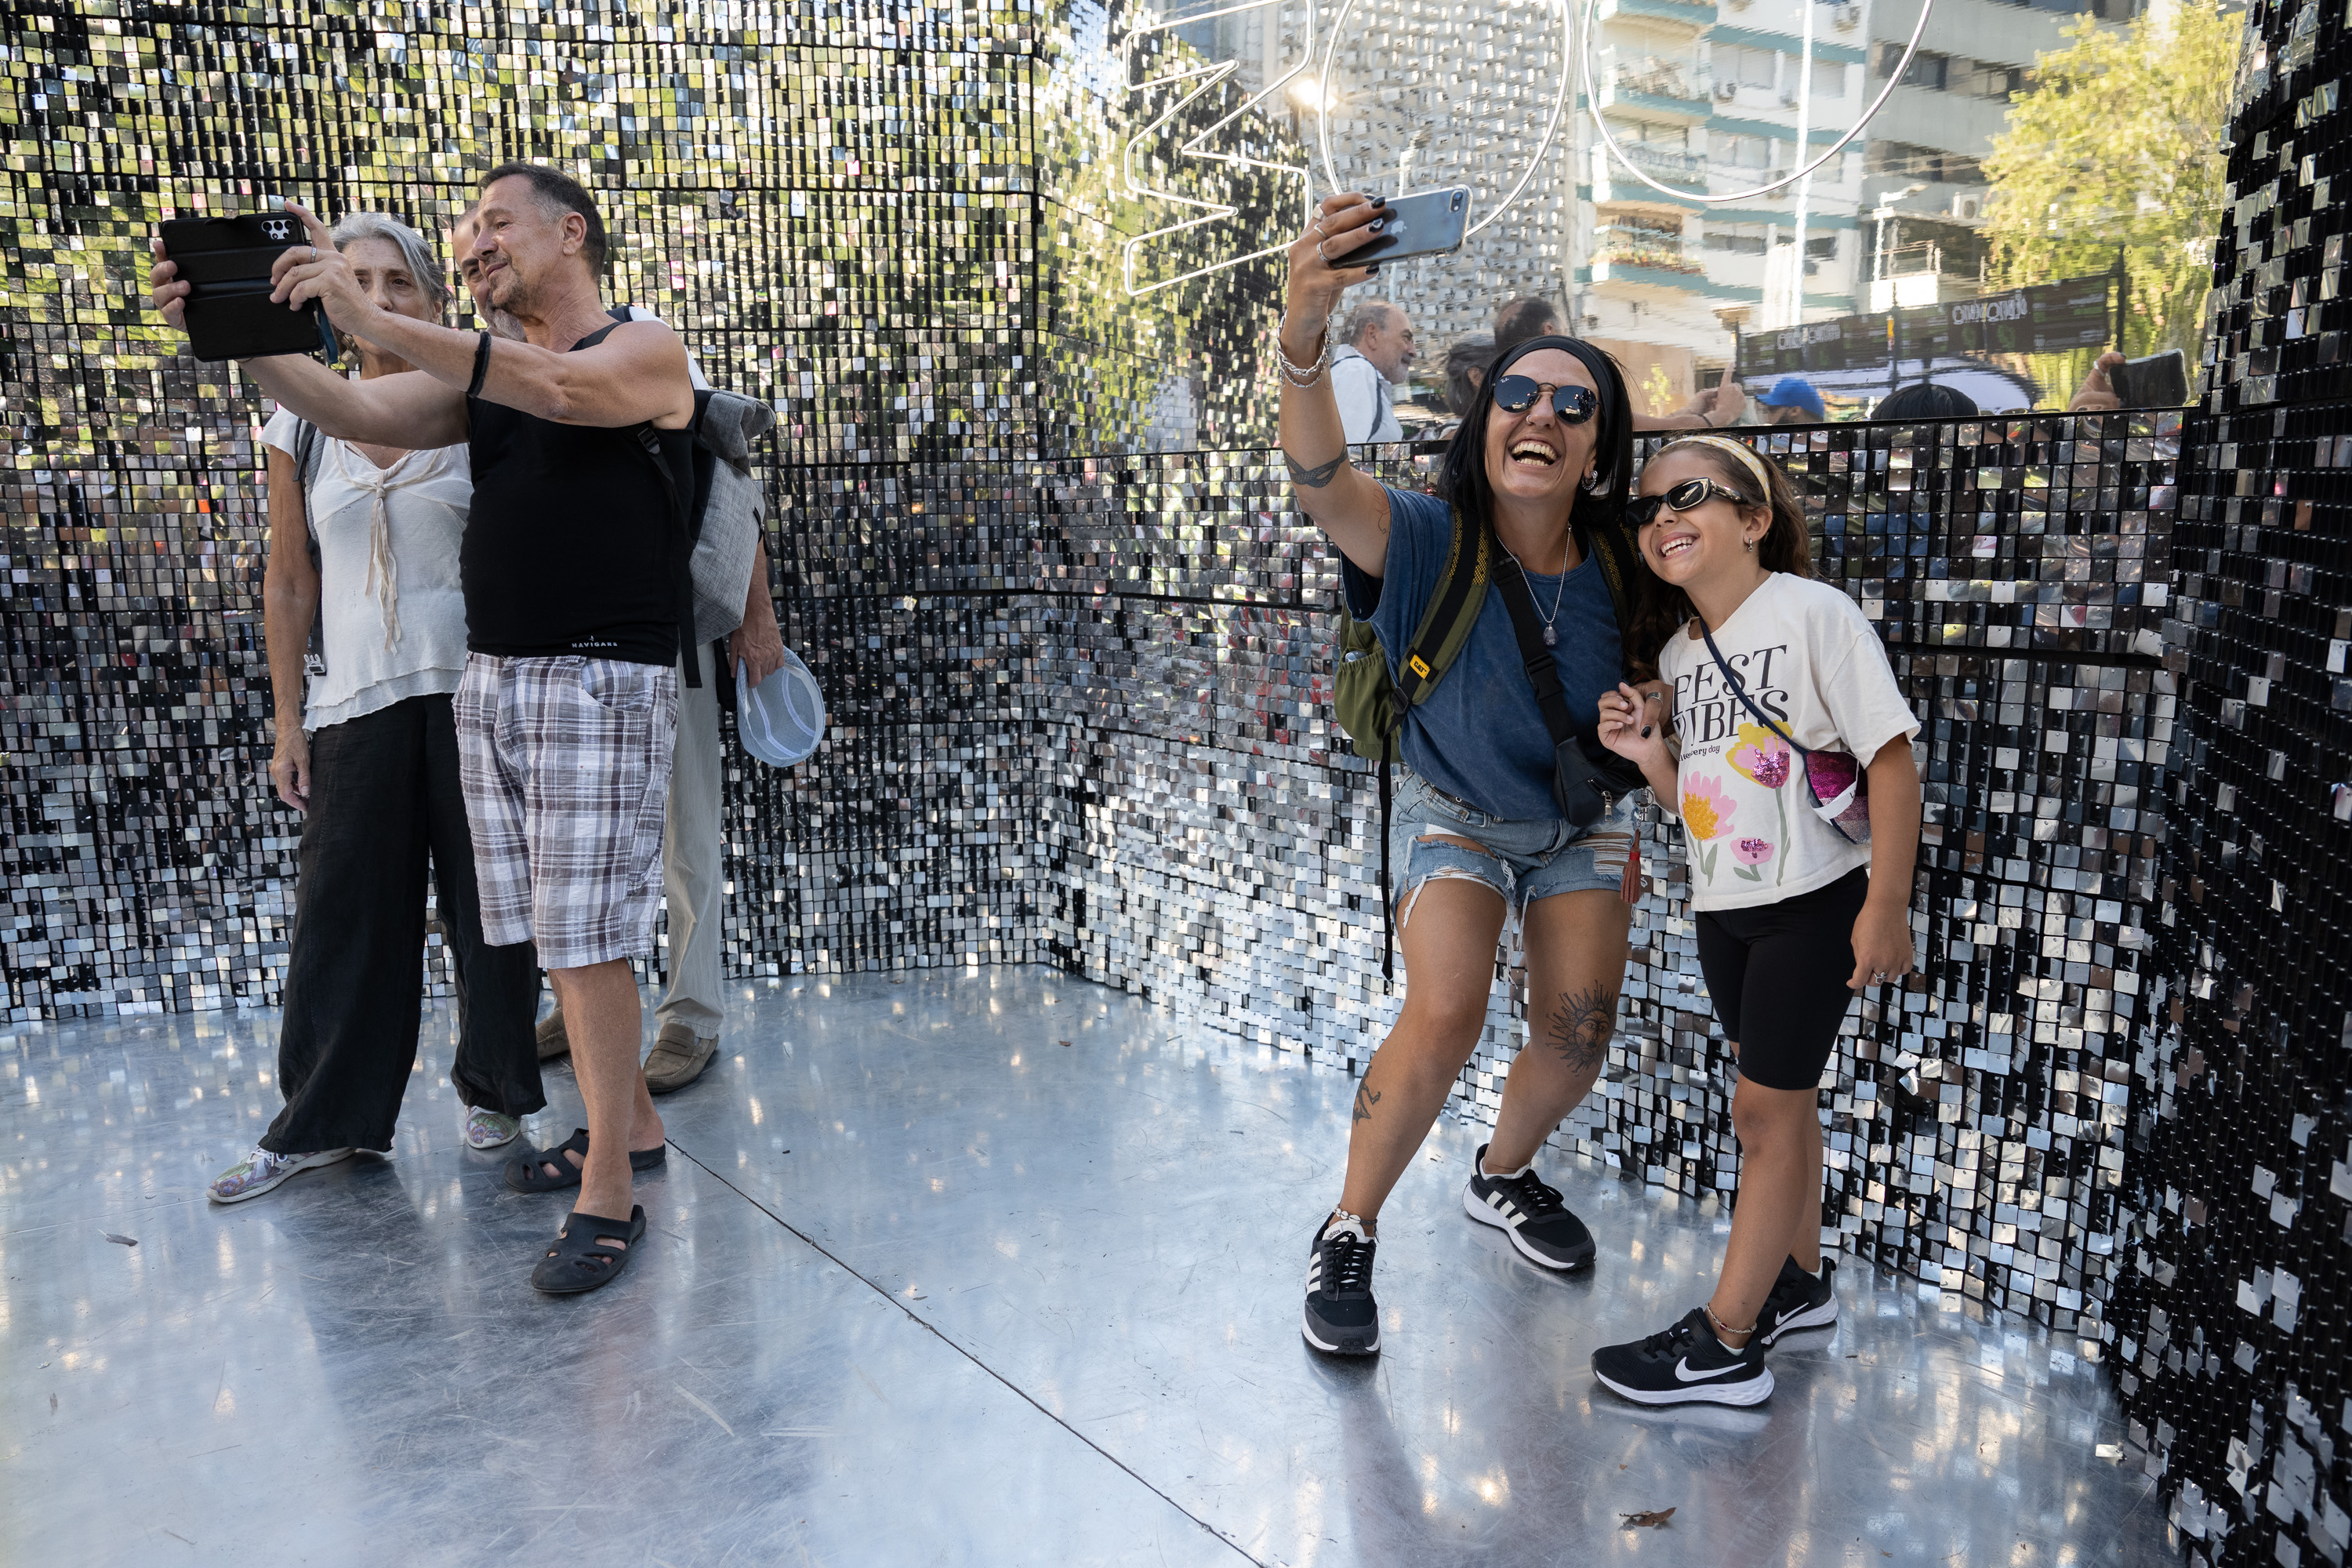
(1522, 861)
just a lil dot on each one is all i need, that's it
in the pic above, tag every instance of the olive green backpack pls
(1371, 705)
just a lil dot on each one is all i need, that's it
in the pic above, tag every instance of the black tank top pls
(571, 546)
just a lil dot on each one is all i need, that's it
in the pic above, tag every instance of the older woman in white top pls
(363, 548)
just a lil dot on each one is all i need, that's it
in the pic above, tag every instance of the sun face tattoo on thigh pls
(1580, 1024)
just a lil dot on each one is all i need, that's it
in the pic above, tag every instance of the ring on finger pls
(1319, 256)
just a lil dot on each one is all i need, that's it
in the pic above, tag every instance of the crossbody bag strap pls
(1739, 689)
(306, 459)
(1543, 671)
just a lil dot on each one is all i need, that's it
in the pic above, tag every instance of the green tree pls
(2118, 142)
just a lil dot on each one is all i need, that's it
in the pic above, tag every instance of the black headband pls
(1585, 353)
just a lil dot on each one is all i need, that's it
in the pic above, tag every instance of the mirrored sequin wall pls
(1034, 542)
(2232, 1319)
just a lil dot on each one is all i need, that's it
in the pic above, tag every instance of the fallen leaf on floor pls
(1061, 1042)
(1647, 1520)
(120, 1240)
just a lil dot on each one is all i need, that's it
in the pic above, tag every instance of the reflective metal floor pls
(978, 1268)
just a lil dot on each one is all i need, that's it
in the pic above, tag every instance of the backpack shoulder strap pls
(1453, 610)
(650, 440)
(306, 452)
(622, 313)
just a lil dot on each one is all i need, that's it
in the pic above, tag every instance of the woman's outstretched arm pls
(1351, 509)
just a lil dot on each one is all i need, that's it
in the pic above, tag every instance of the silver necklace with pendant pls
(1551, 638)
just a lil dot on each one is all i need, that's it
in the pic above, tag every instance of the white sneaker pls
(490, 1129)
(261, 1170)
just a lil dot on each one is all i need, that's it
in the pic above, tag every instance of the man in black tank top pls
(575, 576)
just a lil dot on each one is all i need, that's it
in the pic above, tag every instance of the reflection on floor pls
(980, 1267)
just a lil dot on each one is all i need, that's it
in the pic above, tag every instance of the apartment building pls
(1702, 97)
(1717, 98)
(1923, 159)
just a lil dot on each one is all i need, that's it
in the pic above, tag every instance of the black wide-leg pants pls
(384, 800)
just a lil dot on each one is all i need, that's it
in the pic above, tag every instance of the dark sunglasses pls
(1517, 393)
(1642, 510)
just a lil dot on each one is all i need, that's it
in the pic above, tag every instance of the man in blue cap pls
(1791, 401)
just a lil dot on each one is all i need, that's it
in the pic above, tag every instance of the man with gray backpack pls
(735, 620)
(579, 595)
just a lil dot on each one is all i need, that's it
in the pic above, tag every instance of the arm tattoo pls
(1315, 478)
(1580, 1026)
(1365, 1100)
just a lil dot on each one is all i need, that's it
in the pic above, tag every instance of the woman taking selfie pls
(1488, 819)
(369, 756)
(1800, 803)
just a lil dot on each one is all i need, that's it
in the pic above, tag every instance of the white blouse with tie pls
(392, 611)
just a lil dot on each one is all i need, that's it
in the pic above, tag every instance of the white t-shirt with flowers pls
(1810, 659)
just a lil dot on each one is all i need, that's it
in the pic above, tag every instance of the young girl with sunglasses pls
(1542, 459)
(1766, 664)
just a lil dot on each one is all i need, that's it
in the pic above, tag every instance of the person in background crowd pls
(1709, 408)
(1791, 401)
(691, 1013)
(1527, 316)
(1465, 372)
(577, 590)
(1926, 400)
(1478, 835)
(1775, 675)
(369, 756)
(1376, 349)
(2096, 396)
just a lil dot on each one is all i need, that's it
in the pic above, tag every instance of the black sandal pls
(525, 1174)
(582, 1259)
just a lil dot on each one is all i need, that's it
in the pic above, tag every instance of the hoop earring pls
(1749, 545)
(1592, 482)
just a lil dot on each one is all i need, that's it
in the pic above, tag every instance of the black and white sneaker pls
(1531, 1213)
(1799, 1300)
(1686, 1365)
(1341, 1316)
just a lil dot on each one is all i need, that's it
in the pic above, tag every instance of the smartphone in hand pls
(2159, 381)
(1426, 223)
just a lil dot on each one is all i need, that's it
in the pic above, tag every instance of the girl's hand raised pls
(1630, 726)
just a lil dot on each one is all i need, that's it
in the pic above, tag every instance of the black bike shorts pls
(1777, 974)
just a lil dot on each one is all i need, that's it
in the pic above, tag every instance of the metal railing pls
(1660, 161)
(1649, 247)
(1653, 76)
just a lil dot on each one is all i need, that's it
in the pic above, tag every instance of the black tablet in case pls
(226, 261)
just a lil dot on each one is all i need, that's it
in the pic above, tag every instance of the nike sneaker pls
(1686, 1365)
(1799, 1300)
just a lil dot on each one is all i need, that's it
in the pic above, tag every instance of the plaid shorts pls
(565, 764)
